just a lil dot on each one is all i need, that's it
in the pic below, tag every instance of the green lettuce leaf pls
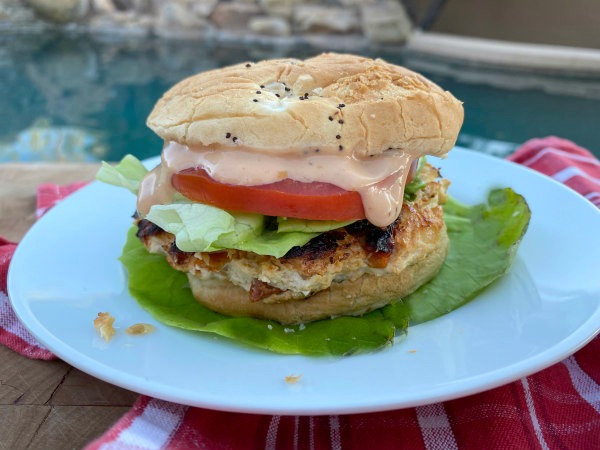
(483, 242)
(288, 224)
(165, 293)
(204, 228)
(273, 243)
(201, 228)
(416, 183)
(127, 174)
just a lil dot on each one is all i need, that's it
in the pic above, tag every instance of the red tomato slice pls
(286, 198)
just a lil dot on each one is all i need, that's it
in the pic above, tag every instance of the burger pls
(298, 190)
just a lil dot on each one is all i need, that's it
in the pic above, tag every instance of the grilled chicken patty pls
(344, 254)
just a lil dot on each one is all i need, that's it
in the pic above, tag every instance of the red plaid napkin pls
(557, 408)
(564, 161)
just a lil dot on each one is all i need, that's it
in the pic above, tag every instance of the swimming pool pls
(74, 98)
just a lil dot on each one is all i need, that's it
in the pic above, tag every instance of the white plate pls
(66, 270)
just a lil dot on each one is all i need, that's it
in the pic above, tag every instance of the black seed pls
(255, 100)
(337, 136)
(262, 86)
(301, 98)
(341, 105)
(331, 118)
(248, 65)
(340, 148)
(258, 92)
(317, 150)
(277, 95)
(234, 139)
(287, 89)
(340, 121)
(228, 135)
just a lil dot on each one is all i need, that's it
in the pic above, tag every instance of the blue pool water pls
(84, 99)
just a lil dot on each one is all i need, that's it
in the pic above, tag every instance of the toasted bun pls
(288, 106)
(352, 297)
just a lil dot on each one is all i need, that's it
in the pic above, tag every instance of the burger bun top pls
(332, 102)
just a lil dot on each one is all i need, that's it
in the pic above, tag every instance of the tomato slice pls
(285, 198)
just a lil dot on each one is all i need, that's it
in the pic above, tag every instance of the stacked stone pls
(377, 21)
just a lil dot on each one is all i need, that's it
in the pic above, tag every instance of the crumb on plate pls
(104, 325)
(140, 328)
(292, 379)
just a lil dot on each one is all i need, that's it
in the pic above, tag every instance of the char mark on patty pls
(374, 239)
(147, 229)
(377, 242)
(178, 256)
(322, 246)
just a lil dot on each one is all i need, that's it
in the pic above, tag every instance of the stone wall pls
(371, 21)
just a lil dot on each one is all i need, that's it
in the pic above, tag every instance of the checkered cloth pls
(556, 408)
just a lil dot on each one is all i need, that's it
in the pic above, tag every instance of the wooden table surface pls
(47, 404)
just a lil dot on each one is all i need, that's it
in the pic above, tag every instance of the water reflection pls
(60, 90)
(43, 142)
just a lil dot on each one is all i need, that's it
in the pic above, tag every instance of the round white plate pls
(66, 270)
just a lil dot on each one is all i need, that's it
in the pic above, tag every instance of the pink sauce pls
(379, 180)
